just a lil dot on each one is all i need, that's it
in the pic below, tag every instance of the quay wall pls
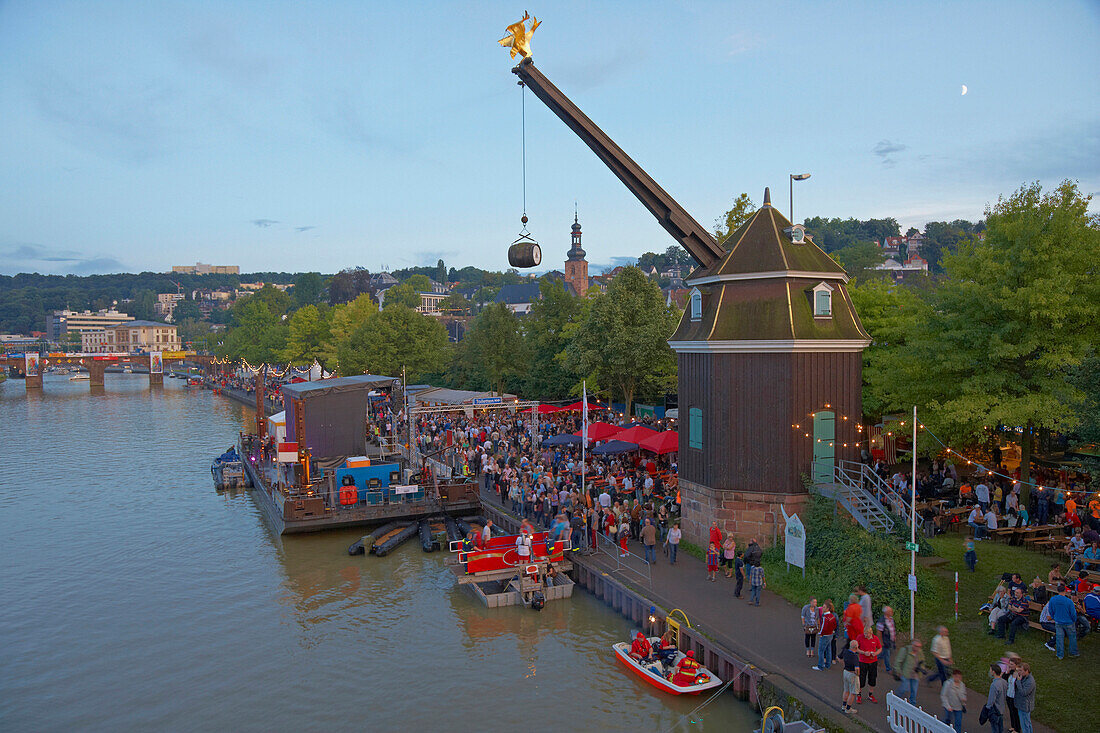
(744, 514)
(759, 688)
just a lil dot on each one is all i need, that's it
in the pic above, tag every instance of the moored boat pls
(227, 470)
(654, 672)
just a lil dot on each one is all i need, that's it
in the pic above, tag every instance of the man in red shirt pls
(869, 649)
(853, 618)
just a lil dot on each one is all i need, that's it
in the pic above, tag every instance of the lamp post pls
(796, 177)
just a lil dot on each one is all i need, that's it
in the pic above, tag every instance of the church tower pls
(576, 266)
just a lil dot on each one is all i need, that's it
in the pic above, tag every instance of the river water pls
(135, 596)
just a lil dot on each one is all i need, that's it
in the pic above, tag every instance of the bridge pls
(32, 366)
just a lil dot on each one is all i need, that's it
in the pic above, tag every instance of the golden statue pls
(519, 38)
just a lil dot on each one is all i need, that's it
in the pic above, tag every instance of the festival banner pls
(156, 363)
(30, 364)
(288, 452)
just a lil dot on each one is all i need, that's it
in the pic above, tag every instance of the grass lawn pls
(1066, 694)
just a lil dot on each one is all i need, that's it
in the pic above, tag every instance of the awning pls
(563, 439)
(666, 442)
(600, 430)
(614, 446)
(578, 406)
(636, 434)
(545, 409)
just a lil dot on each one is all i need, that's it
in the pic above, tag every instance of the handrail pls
(616, 555)
(849, 488)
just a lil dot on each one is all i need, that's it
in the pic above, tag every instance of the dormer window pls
(823, 300)
(696, 305)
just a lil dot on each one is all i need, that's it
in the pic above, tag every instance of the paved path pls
(768, 636)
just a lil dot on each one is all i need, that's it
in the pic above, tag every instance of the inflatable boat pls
(388, 542)
(654, 672)
(364, 544)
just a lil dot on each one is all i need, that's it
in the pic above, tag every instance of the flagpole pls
(584, 428)
(913, 533)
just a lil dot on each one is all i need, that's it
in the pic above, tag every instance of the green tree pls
(1016, 313)
(741, 211)
(307, 289)
(546, 330)
(191, 330)
(623, 340)
(859, 259)
(408, 292)
(277, 302)
(141, 307)
(494, 344)
(440, 275)
(258, 337)
(186, 309)
(394, 338)
(455, 304)
(345, 320)
(307, 334)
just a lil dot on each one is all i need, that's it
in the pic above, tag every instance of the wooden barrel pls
(524, 254)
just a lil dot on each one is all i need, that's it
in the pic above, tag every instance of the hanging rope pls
(523, 145)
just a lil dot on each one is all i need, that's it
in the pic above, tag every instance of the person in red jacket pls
(715, 534)
(641, 649)
(686, 670)
(853, 618)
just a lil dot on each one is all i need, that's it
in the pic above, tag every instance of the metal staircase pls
(858, 489)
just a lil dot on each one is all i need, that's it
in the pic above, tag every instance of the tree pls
(346, 319)
(191, 330)
(1017, 312)
(942, 238)
(141, 307)
(408, 293)
(859, 259)
(277, 302)
(440, 272)
(186, 309)
(495, 344)
(306, 338)
(742, 210)
(348, 284)
(394, 338)
(546, 331)
(455, 304)
(258, 337)
(307, 289)
(623, 339)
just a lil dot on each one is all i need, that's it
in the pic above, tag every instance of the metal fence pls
(905, 718)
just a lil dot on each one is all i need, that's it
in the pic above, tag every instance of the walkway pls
(768, 636)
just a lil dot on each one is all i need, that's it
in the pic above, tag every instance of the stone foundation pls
(745, 514)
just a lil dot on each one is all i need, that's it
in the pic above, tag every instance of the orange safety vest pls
(641, 647)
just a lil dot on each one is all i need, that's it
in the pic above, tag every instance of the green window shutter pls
(695, 428)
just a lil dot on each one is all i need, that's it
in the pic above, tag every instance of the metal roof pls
(342, 384)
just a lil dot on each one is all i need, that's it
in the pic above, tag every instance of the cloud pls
(885, 150)
(30, 257)
(305, 228)
(265, 223)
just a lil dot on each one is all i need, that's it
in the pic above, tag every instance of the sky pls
(323, 135)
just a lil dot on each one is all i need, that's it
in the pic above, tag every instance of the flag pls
(584, 412)
(288, 452)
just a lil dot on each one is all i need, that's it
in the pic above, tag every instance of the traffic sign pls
(912, 546)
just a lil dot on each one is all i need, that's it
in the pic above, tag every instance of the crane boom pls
(698, 242)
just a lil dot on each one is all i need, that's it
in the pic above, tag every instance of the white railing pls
(905, 718)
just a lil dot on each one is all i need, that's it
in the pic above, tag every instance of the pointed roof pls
(761, 245)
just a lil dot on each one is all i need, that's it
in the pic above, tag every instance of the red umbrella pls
(666, 442)
(546, 409)
(636, 434)
(578, 406)
(600, 430)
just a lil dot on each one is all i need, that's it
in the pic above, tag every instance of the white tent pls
(276, 426)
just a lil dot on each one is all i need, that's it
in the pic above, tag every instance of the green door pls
(824, 440)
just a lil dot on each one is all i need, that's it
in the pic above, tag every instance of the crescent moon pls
(964, 90)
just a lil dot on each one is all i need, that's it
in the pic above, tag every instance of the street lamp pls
(796, 177)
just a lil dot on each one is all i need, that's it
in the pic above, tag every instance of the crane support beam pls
(687, 232)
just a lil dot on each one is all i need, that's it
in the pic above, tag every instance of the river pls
(135, 596)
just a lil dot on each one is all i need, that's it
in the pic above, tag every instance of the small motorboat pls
(228, 471)
(655, 672)
(194, 382)
(79, 376)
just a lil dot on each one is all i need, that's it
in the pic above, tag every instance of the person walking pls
(756, 583)
(870, 647)
(970, 556)
(888, 634)
(941, 655)
(649, 540)
(825, 632)
(907, 665)
(810, 622)
(953, 697)
(995, 706)
(1025, 696)
(673, 542)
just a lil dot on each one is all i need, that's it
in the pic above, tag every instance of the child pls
(971, 557)
(712, 561)
(739, 572)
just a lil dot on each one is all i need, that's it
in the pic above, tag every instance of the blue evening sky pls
(321, 135)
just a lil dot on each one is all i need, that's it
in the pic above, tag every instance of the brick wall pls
(746, 514)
